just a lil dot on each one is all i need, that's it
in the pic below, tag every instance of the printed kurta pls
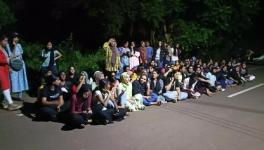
(109, 66)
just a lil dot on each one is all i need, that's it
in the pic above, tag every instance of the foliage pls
(207, 24)
(6, 16)
(87, 62)
(193, 35)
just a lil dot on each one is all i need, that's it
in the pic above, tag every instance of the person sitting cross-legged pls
(51, 102)
(142, 88)
(81, 108)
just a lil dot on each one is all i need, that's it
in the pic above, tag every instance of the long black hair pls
(2, 37)
(103, 83)
(46, 48)
(13, 35)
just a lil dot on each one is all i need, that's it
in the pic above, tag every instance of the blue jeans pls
(222, 83)
(153, 98)
(122, 99)
(172, 95)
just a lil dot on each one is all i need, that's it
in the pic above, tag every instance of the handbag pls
(16, 64)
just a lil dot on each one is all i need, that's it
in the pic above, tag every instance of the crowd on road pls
(134, 77)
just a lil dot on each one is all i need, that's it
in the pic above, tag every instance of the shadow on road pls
(28, 109)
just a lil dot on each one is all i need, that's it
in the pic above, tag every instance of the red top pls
(4, 72)
(78, 102)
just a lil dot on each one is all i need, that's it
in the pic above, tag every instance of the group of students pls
(108, 96)
(134, 78)
(13, 76)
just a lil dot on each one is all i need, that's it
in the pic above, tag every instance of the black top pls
(174, 85)
(156, 87)
(73, 80)
(219, 76)
(244, 72)
(52, 95)
(139, 88)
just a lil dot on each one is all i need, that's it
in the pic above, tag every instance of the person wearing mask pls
(173, 91)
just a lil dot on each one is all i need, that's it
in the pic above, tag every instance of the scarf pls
(114, 55)
(122, 78)
(52, 57)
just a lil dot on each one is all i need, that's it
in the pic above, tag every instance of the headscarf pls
(123, 76)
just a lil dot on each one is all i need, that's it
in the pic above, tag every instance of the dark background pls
(38, 21)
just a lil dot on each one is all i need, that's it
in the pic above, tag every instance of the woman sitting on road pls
(141, 88)
(81, 108)
(102, 114)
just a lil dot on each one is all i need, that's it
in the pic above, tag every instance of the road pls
(210, 123)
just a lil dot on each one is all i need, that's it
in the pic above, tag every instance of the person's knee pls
(146, 102)
(47, 113)
(183, 95)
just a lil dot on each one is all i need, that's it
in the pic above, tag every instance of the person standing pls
(149, 52)
(112, 62)
(175, 54)
(50, 56)
(135, 54)
(143, 53)
(125, 53)
(124, 56)
(18, 78)
(4, 77)
(158, 57)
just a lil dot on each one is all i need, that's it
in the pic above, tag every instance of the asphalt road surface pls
(210, 123)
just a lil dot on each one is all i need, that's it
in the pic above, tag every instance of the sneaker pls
(12, 107)
(81, 126)
(4, 105)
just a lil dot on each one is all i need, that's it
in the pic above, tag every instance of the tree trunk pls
(131, 30)
(152, 37)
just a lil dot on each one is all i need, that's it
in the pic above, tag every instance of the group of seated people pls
(104, 98)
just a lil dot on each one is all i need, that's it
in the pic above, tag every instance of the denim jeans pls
(172, 95)
(153, 98)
